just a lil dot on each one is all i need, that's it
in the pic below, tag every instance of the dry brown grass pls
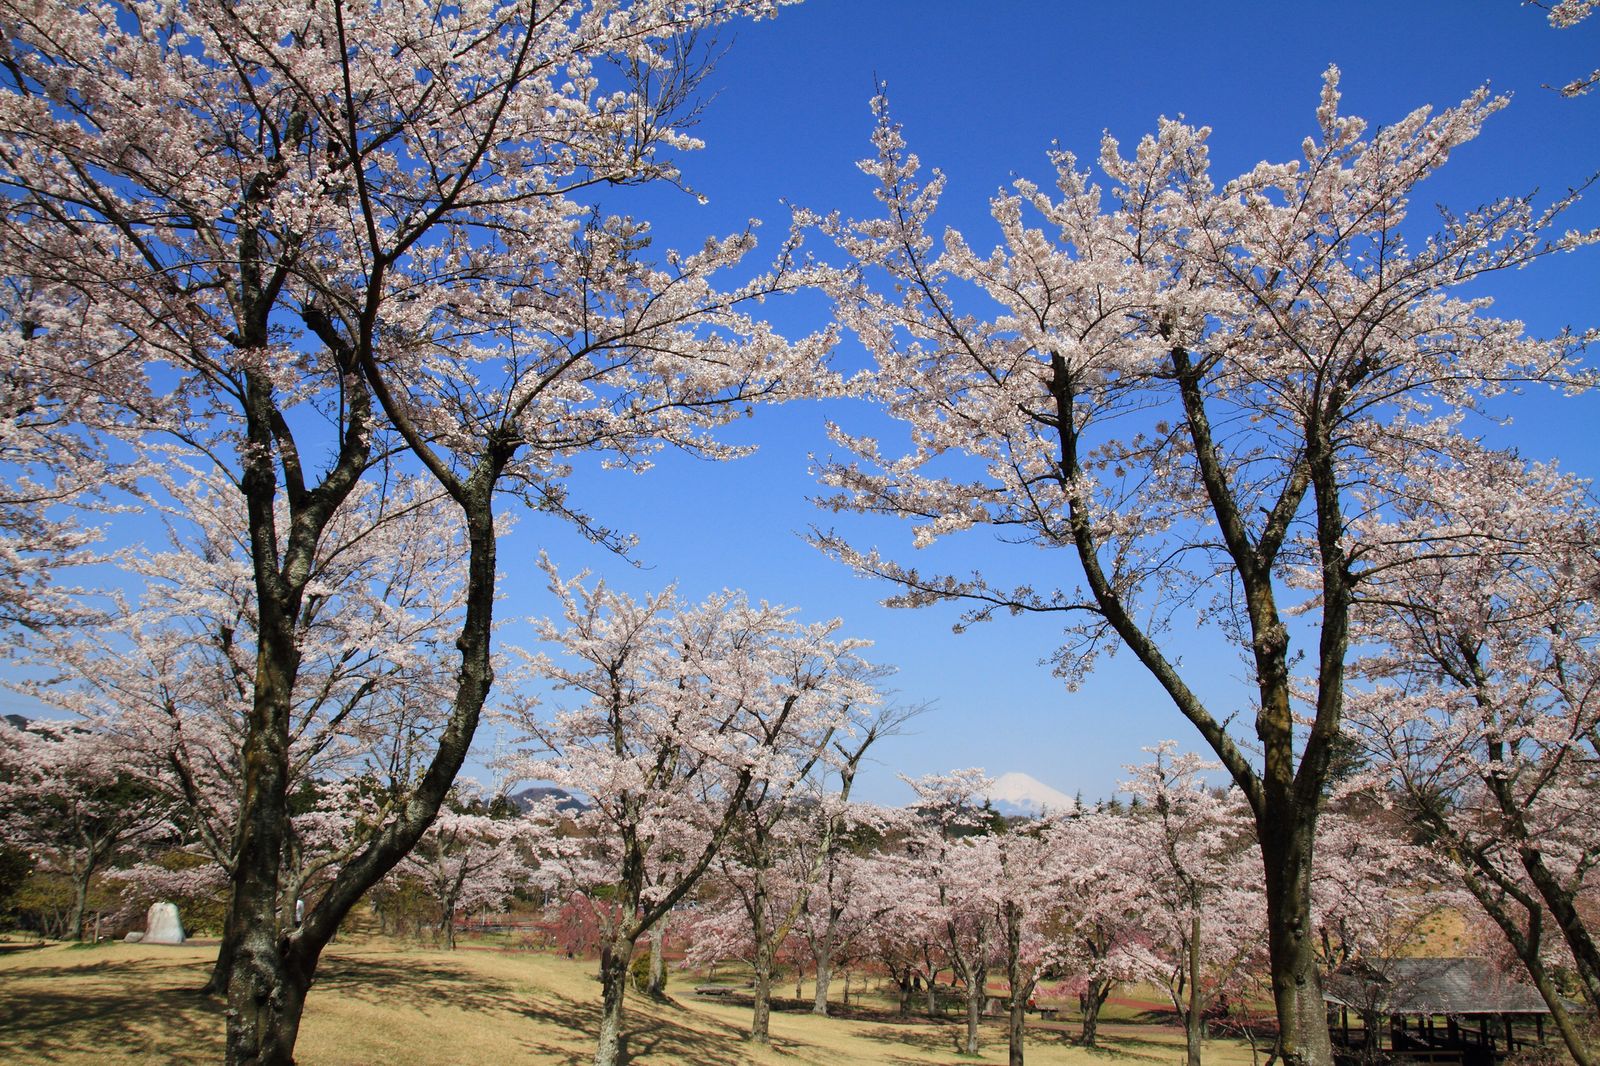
(379, 1003)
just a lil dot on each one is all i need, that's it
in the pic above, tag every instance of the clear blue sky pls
(982, 90)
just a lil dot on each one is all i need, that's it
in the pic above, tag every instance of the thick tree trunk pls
(1016, 983)
(819, 1004)
(614, 959)
(762, 1013)
(1094, 997)
(1296, 979)
(903, 991)
(933, 997)
(80, 903)
(658, 961)
(977, 978)
(265, 996)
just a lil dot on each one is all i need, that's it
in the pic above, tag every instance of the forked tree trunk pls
(1094, 997)
(977, 977)
(1527, 941)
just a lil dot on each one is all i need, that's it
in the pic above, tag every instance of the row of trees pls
(346, 263)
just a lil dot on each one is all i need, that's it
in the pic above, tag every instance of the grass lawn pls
(380, 1002)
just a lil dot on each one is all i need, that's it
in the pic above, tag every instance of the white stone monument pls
(161, 924)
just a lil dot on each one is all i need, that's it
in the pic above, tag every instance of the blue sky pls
(983, 89)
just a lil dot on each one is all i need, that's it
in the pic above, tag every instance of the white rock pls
(134, 937)
(161, 924)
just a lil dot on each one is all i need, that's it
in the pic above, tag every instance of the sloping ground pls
(381, 1004)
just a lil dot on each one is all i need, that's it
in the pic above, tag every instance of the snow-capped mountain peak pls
(1018, 790)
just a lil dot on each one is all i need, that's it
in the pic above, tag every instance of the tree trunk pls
(977, 978)
(80, 903)
(1296, 979)
(1016, 984)
(614, 959)
(819, 1004)
(762, 964)
(1193, 1020)
(933, 997)
(222, 969)
(903, 989)
(1527, 944)
(265, 996)
(658, 961)
(1094, 997)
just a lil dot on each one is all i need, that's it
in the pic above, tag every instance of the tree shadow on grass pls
(413, 984)
(419, 986)
(141, 1007)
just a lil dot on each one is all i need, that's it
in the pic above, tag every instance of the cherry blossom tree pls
(298, 219)
(788, 834)
(1192, 389)
(173, 676)
(469, 860)
(1027, 888)
(54, 428)
(954, 849)
(687, 712)
(1563, 15)
(1484, 707)
(69, 796)
(1373, 890)
(1200, 899)
(1094, 912)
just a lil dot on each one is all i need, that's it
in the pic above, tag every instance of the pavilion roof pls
(1432, 986)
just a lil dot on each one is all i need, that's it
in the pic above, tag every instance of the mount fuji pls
(1019, 793)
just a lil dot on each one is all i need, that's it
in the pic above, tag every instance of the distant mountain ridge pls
(565, 801)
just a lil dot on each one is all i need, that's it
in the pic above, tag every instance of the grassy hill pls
(379, 1002)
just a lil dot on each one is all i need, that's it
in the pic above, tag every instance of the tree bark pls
(658, 961)
(977, 977)
(1094, 997)
(1019, 986)
(80, 902)
(819, 1003)
(1193, 1019)
(1296, 979)
(762, 965)
(222, 969)
(614, 959)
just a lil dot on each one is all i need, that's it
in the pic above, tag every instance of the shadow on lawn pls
(140, 1007)
(420, 986)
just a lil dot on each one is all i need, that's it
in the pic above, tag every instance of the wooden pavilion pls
(1443, 1010)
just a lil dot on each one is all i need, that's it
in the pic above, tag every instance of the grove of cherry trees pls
(309, 307)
